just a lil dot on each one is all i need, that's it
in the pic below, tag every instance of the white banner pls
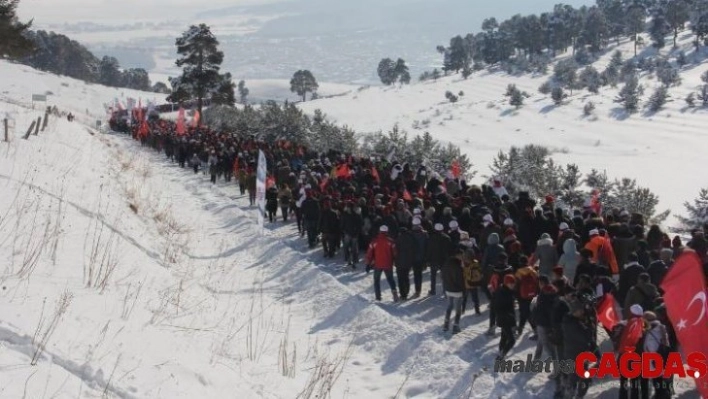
(261, 188)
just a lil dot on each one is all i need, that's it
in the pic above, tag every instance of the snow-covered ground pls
(659, 150)
(186, 300)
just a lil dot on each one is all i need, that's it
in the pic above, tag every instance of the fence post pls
(46, 118)
(7, 134)
(29, 131)
(39, 122)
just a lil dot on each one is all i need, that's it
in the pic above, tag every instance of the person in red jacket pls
(380, 257)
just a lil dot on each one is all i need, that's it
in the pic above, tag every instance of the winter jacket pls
(623, 247)
(546, 255)
(439, 249)
(544, 306)
(452, 275)
(406, 249)
(487, 231)
(272, 199)
(656, 336)
(284, 197)
(311, 210)
(421, 247)
(491, 252)
(565, 236)
(628, 279)
(329, 222)
(657, 270)
(570, 259)
(504, 307)
(639, 295)
(352, 223)
(587, 268)
(578, 337)
(381, 252)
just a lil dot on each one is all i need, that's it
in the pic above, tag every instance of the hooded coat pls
(546, 255)
(570, 259)
(491, 252)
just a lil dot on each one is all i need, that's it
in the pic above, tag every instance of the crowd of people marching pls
(535, 263)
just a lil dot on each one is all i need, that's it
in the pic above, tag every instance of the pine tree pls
(516, 97)
(696, 213)
(436, 74)
(466, 71)
(201, 61)
(558, 95)
(676, 16)
(658, 28)
(303, 82)
(224, 94)
(590, 79)
(629, 95)
(703, 95)
(611, 75)
(109, 72)
(658, 99)
(14, 43)
(400, 72)
(243, 91)
(386, 71)
(691, 100)
(635, 19)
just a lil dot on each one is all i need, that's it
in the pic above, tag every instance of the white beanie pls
(488, 218)
(508, 222)
(416, 222)
(594, 232)
(453, 225)
(439, 227)
(564, 226)
(416, 211)
(383, 229)
(636, 310)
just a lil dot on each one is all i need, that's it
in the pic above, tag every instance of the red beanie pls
(509, 278)
(549, 198)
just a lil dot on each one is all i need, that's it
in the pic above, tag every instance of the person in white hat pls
(439, 249)
(421, 238)
(381, 256)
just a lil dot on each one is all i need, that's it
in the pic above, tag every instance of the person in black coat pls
(405, 257)
(352, 224)
(578, 337)
(629, 276)
(454, 283)
(494, 284)
(439, 248)
(330, 229)
(657, 268)
(547, 297)
(505, 314)
(311, 218)
(272, 203)
(586, 266)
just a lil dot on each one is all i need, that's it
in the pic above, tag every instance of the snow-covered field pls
(660, 150)
(124, 276)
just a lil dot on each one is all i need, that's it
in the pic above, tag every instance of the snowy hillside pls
(653, 148)
(125, 276)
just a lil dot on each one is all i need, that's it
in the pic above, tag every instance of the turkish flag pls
(455, 169)
(685, 300)
(632, 333)
(606, 313)
(343, 171)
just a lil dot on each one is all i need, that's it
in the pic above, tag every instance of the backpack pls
(473, 273)
(528, 287)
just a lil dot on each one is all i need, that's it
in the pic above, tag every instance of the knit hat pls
(509, 279)
(636, 310)
(508, 222)
(549, 198)
(416, 211)
(564, 226)
(439, 227)
(453, 225)
(416, 222)
(594, 232)
(488, 218)
(545, 236)
(383, 229)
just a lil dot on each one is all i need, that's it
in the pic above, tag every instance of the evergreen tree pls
(658, 28)
(681, 59)
(691, 100)
(703, 95)
(611, 75)
(436, 74)
(590, 79)
(629, 95)
(135, 78)
(700, 29)
(466, 71)
(658, 99)
(451, 97)
(634, 23)
(676, 16)
(456, 55)
(558, 95)
(224, 94)
(109, 72)
(400, 72)
(13, 40)
(243, 91)
(596, 31)
(303, 82)
(696, 213)
(386, 71)
(201, 61)
(668, 75)
(160, 87)
(516, 97)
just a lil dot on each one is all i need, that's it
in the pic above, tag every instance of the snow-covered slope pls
(659, 150)
(185, 299)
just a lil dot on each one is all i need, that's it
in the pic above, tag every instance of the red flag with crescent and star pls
(606, 313)
(686, 305)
